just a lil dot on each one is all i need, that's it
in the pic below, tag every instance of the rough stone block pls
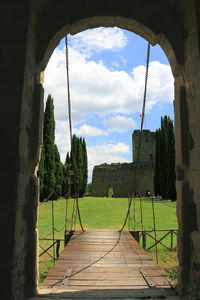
(20, 234)
(195, 130)
(183, 280)
(22, 186)
(24, 142)
(98, 21)
(195, 180)
(198, 215)
(79, 26)
(37, 124)
(195, 237)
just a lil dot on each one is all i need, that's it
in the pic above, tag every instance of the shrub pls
(110, 192)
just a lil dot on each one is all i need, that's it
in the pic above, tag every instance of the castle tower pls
(148, 144)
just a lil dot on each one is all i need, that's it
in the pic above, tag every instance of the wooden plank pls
(100, 276)
(97, 282)
(147, 278)
(142, 292)
(103, 260)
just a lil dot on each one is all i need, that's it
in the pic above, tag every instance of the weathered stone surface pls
(147, 148)
(121, 177)
(195, 237)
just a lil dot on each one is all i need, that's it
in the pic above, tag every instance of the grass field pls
(109, 213)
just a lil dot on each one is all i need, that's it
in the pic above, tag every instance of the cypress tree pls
(50, 167)
(41, 172)
(163, 155)
(164, 178)
(157, 164)
(67, 174)
(48, 144)
(85, 167)
(74, 167)
(171, 175)
(58, 173)
(80, 166)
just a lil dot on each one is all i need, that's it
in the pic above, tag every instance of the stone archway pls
(39, 26)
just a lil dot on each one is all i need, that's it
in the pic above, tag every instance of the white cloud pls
(119, 148)
(62, 138)
(114, 124)
(96, 89)
(99, 39)
(120, 123)
(87, 130)
(160, 86)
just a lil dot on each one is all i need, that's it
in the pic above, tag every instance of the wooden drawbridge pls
(105, 264)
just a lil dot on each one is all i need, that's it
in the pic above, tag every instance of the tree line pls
(68, 178)
(165, 176)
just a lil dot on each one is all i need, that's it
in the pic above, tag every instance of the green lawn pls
(107, 213)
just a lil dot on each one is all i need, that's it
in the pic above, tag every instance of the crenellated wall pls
(120, 177)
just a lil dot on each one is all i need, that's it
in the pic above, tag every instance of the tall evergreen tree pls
(74, 167)
(49, 150)
(58, 173)
(80, 166)
(67, 174)
(157, 176)
(163, 156)
(164, 179)
(85, 167)
(171, 175)
(41, 172)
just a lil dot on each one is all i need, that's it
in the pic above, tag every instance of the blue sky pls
(107, 68)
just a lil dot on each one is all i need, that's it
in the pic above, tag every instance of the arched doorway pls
(160, 22)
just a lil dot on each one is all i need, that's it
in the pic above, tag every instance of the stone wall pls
(147, 148)
(120, 177)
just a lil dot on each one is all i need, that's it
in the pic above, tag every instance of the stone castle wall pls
(120, 177)
(148, 146)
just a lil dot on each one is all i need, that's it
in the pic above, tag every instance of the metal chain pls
(140, 136)
(70, 128)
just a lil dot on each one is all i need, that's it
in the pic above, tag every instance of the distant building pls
(120, 176)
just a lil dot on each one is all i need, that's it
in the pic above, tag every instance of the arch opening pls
(147, 140)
